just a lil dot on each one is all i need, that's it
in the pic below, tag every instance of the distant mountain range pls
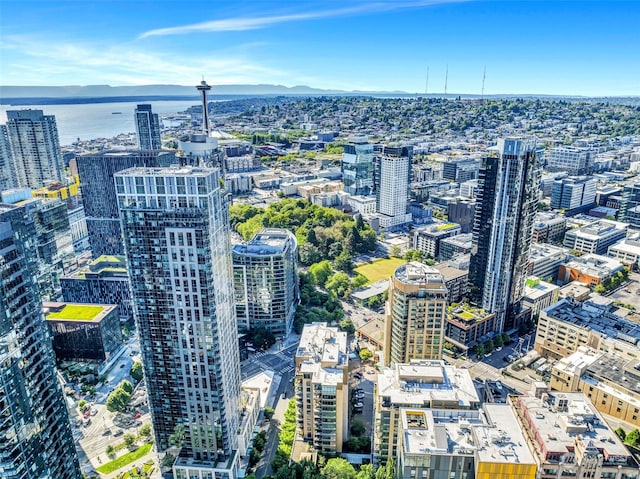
(75, 91)
(42, 95)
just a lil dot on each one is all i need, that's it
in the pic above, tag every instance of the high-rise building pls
(505, 214)
(35, 147)
(357, 166)
(322, 393)
(265, 276)
(99, 195)
(392, 189)
(7, 169)
(53, 241)
(574, 192)
(147, 128)
(176, 235)
(415, 314)
(35, 430)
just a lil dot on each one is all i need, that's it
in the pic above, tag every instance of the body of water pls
(96, 120)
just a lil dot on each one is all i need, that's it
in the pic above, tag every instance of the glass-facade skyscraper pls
(176, 236)
(505, 213)
(34, 423)
(147, 128)
(357, 166)
(99, 195)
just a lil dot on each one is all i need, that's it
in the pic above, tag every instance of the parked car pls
(94, 411)
(119, 432)
(137, 415)
(358, 405)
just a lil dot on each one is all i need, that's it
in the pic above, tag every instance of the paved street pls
(280, 360)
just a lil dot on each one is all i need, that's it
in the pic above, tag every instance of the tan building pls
(321, 385)
(419, 384)
(568, 324)
(415, 314)
(569, 438)
(611, 384)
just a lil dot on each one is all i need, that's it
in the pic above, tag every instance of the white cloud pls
(253, 23)
(26, 61)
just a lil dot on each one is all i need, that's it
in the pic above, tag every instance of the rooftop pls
(267, 242)
(568, 420)
(596, 318)
(595, 265)
(323, 352)
(419, 273)
(601, 228)
(76, 312)
(499, 441)
(536, 288)
(423, 382)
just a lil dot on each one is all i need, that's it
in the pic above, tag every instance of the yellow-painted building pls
(58, 190)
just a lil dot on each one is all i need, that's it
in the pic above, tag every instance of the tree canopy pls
(322, 233)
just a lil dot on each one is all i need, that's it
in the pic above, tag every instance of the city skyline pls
(557, 48)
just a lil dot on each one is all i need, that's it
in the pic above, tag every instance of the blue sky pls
(551, 47)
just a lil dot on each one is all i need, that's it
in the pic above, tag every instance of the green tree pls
(347, 326)
(343, 262)
(309, 254)
(388, 471)
(126, 385)
(365, 354)
(110, 450)
(358, 281)
(338, 468)
(136, 371)
(395, 251)
(129, 440)
(621, 434)
(320, 272)
(366, 472)
(357, 427)
(82, 404)
(145, 430)
(268, 412)
(479, 350)
(497, 340)
(413, 255)
(506, 339)
(338, 284)
(489, 345)
(633, 438)
(117, 400)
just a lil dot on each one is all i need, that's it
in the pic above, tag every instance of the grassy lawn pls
(380, 269)
(125, 459)
(77, 312)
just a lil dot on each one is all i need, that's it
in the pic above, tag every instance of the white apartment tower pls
(176, 235)
(392, 192)
(33, 137)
